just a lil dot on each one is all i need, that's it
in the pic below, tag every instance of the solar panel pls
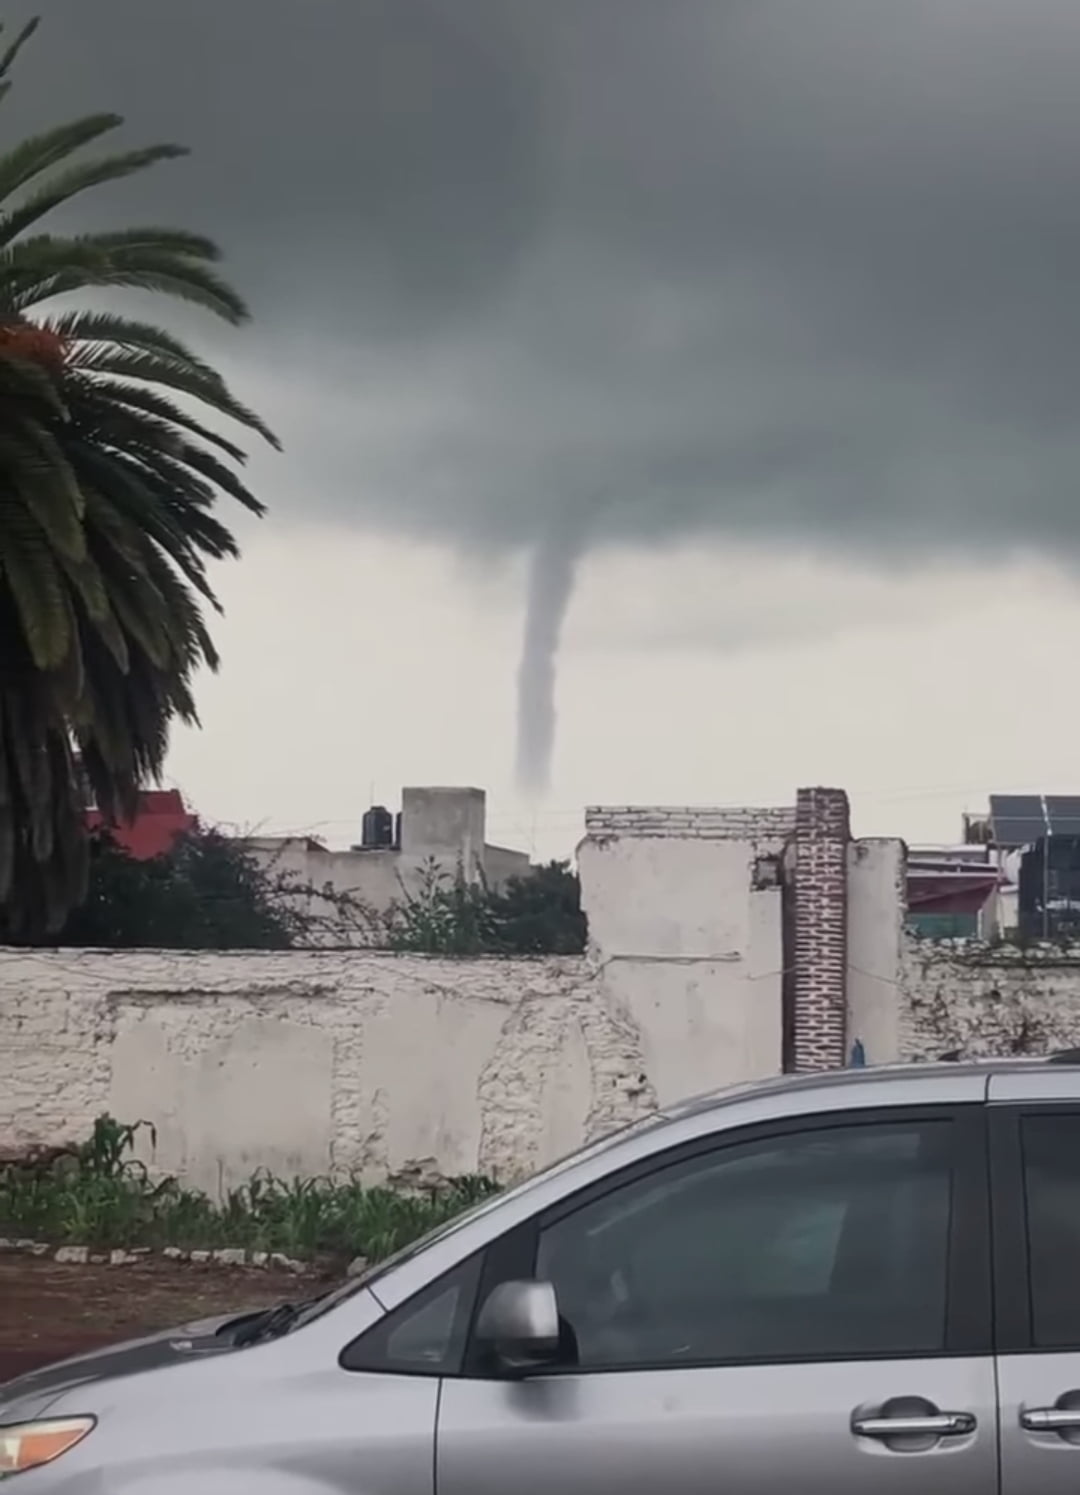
(1063, 813)
(1016, 806)
(1020, 819)
(1016, 833)
(1017, 819)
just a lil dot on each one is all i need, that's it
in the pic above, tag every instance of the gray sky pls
(793, 282)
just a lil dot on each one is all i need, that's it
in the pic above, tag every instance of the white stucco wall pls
(876, 886)
(684, 913)
(309, 1062)
(373, 881)
(318, 1061)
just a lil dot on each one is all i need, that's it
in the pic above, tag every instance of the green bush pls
(100, 1196)
(538, 914)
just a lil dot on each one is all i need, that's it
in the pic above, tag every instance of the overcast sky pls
(772, 307)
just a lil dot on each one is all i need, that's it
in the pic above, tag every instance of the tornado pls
(552, 571)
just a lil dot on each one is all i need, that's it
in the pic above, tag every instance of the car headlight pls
(28, 1445)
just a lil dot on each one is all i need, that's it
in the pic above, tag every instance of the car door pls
(800, 1307)
(1036, 1204)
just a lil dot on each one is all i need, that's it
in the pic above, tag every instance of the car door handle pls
(1050, 1419)
(933, 1425)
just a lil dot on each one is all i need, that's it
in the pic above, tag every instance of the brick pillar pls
(818, 930)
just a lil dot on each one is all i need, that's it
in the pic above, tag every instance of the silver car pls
(840, 1283)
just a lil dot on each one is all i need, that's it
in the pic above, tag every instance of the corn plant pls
(102, 1196)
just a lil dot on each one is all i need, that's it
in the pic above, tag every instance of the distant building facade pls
(1017, 871)
(162, 816)
(957, 892)
(439, 832)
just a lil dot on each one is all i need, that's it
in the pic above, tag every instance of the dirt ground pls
(49, 1311)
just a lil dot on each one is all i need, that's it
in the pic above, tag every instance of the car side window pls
(1051, 1160)
(818, 1244)
(425, 1336)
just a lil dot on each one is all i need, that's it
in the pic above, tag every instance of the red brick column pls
(818, 982)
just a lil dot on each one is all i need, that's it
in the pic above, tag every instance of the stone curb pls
(228, 1256)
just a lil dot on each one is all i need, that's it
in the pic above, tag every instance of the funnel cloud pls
(551, 584)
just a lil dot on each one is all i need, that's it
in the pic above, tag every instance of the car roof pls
(826, 1080)
(774, 1099)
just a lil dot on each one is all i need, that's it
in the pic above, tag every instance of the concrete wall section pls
(687, 931)
(988, 1000)
(875, 947)
(721, 941)
(309, 1062)
(446, 824)
(655, 897)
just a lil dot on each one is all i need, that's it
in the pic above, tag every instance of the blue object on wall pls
(858, 1055)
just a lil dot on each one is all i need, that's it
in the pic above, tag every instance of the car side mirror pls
(519, 1324)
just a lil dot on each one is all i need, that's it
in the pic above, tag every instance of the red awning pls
(950, 892)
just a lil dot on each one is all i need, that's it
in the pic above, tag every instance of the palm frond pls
(11, 53)
(65, 185)
(22, 37)
(183, 376)
(39, 474)
(64, 266)
(131, 400)
(109, 327)
(42, 152)
(137, 496)
(157, 239)
(26, 386)
(29, 568)
(180, 465)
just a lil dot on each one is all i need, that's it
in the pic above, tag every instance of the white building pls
(440, 832)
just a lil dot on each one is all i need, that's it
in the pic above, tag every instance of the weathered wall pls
(372, 881)
(684, 910)
(987, 999)
(771, 824)
(305, 1062)
(876, 887)
(332, 1060)
(367, 884)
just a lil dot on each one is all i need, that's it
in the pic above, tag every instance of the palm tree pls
(109, 477)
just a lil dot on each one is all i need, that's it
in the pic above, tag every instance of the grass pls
(101, 1196)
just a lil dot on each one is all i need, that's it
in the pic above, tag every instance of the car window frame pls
(367, 1354)
(1014, 1308)
(969, 1296)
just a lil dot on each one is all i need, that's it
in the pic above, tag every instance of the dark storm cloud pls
(560, 272)
(808, 270)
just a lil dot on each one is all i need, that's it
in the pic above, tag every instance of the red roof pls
(162, 816)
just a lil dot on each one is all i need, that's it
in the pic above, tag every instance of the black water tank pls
(377, 828)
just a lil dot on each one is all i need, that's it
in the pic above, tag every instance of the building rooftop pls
(162, 816)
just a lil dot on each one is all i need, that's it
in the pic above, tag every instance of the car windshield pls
(379, 1269)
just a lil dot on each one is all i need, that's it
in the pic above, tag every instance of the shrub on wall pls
(205, 893)
(208, 893)
(538, 914)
